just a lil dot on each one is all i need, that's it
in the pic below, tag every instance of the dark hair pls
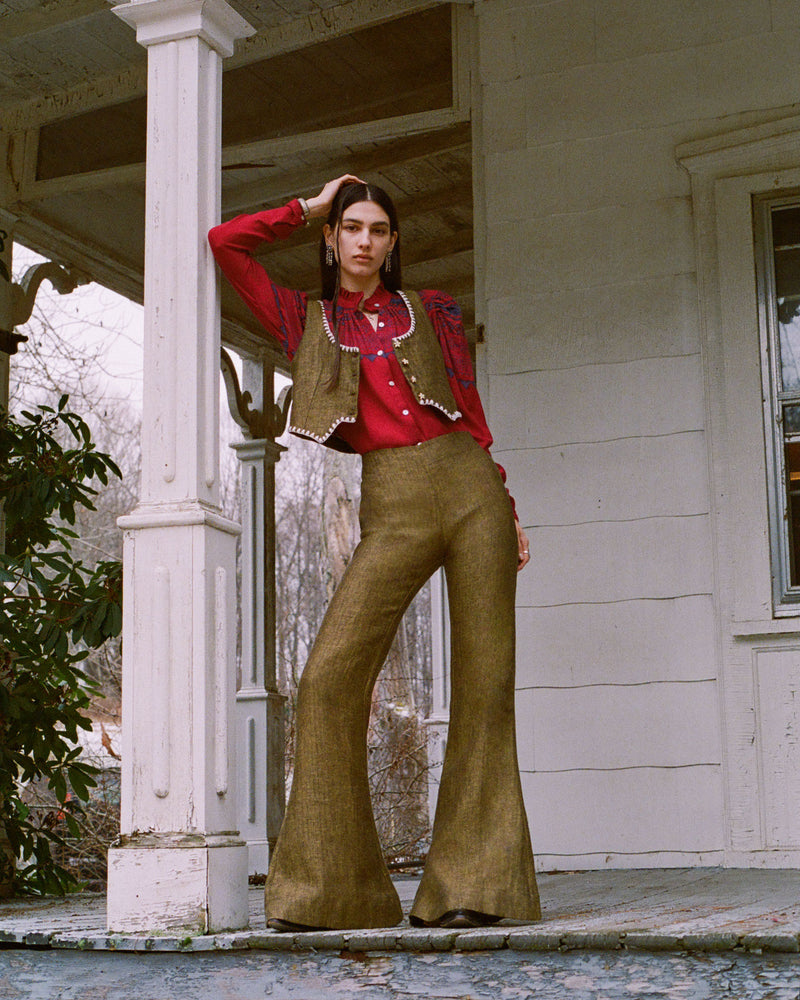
(347, 195)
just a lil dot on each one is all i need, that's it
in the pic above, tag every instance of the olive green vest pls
(317, 411)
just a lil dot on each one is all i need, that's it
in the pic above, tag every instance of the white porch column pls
(259, 706)
(437, 722)
(180, 862)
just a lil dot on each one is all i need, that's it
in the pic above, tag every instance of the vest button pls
(405, 413)
(403, 361)
(413, 378)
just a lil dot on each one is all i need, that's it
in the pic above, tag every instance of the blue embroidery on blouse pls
(464, 383)
(374, 357)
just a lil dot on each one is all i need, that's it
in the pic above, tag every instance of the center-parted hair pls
(347, 195)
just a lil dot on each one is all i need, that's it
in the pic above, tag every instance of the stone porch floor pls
(687, 910)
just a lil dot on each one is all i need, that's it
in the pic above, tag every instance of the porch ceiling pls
(323, 87)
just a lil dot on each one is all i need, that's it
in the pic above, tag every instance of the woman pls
(387, 374)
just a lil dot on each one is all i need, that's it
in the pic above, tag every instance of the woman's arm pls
(281, 311)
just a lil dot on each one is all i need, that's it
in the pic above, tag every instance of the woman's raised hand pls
(320, 205)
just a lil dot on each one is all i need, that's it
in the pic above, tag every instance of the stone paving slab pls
(692, 910)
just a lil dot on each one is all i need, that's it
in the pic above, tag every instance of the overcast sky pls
(100, 319)
(97, 318)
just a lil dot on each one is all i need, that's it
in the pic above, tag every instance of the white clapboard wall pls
(603, 397)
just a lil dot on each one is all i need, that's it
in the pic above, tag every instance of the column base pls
(163, 882)
(260, 756)
(258, 852)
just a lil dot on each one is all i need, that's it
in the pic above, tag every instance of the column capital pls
(258, 449)
(156, 21)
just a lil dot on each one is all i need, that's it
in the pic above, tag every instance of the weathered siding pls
(597, 400)
(623, 642)
(637, 817)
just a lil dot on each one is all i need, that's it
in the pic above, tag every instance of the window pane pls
(793, 513)
(790, 354)
(785, 225)
(786, 247)
(778, 261)
(791, 419)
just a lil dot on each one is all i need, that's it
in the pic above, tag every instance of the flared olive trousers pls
(441, 503)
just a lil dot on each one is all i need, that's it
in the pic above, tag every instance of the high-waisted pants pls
(441, 503)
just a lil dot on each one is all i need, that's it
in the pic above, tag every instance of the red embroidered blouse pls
(389, 416)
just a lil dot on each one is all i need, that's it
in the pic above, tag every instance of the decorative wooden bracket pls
(10, 341)
(255, 423)
(24, 294)
(4, 272)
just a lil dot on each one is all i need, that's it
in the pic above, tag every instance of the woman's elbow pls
(215, 238)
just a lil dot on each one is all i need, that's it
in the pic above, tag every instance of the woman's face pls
(361, 243)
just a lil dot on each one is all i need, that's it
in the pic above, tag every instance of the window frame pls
(785, 595)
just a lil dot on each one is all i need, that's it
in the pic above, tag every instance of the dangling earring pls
(328, 254)
(387, 264)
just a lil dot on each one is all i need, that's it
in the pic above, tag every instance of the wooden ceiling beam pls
(344, 19)
(279, 188)
(457, 195)
(56, 14)
(442, 198)
(344, 136)
(299, 33)
(47, 237)
(449, 246)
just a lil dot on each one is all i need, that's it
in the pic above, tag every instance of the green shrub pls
(53, 610)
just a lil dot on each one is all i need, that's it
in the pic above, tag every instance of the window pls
(778, 258)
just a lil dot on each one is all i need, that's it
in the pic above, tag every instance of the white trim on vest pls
(395, 340)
